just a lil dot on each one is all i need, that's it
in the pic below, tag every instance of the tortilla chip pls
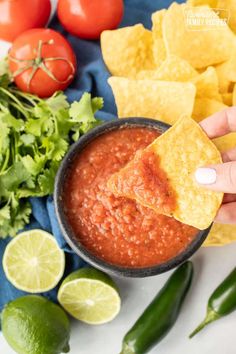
(205, 107)
(177, 69)
(220, 235)
(159, 49)
(234, 96)
(202, 47)
(127, 50)
(211, 3)
(224, 84)
(227, 98)
(226, 142)
(229, 5)
(179, 152)
(225, 87)
(226, 72)
(207, 84)
(157, 19)
(148, 75)
(162, 100)
(172, 69)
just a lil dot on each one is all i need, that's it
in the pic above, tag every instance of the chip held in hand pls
(161, 176)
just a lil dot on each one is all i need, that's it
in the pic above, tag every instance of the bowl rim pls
(67, 230)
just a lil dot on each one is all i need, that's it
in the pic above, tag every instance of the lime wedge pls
(33, 262)
(90, 296)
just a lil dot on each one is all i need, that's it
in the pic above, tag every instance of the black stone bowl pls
(69, 235)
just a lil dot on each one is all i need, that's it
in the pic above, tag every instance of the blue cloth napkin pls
(92, 76)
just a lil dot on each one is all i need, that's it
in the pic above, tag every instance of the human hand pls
(221, 177)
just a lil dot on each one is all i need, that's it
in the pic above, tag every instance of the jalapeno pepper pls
(221, 303)
(160, 315)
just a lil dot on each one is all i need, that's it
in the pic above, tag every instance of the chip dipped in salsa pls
(119, 230)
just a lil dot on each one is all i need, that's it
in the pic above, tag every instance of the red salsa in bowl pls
(116, 230)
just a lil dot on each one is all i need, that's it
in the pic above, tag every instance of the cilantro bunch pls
(35, 134)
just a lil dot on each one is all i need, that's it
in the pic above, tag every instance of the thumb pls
(220, 177)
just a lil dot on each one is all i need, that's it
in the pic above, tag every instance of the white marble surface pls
(211, 266)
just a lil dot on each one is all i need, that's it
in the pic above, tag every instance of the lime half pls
(90, 296)
(33, 261)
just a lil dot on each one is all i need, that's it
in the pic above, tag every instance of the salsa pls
(117, 229)
(144, 180)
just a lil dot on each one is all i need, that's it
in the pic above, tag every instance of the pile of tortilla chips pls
(178, 68)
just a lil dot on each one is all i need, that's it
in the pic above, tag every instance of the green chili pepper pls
(221, 303)
(160, 315)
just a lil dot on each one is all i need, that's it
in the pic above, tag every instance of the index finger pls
(220, 123)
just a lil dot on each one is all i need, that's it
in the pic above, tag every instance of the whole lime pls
(34, 325)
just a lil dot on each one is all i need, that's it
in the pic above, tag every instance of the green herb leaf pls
(14, 176)
(46, 180)
(4, 136)
(97, 104)
(33, 166)
(4, 214)
(83, 111)
(35, 136)
(27, 139)
(57, 102)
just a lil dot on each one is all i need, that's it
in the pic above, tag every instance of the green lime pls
(90, 296)
(33, 261)
(34, 325)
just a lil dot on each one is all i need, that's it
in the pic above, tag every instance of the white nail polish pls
(205, 175)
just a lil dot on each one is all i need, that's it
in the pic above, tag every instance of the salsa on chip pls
(161, 176)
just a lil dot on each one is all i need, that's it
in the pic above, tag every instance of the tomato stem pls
(39, 63)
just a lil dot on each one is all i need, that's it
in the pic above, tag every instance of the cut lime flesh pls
(90, 300)
(33, 262)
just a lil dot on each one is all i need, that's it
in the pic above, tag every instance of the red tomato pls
(42, 62)
(17, 16)
(88, 18)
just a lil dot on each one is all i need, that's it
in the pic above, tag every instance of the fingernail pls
(205, 175)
